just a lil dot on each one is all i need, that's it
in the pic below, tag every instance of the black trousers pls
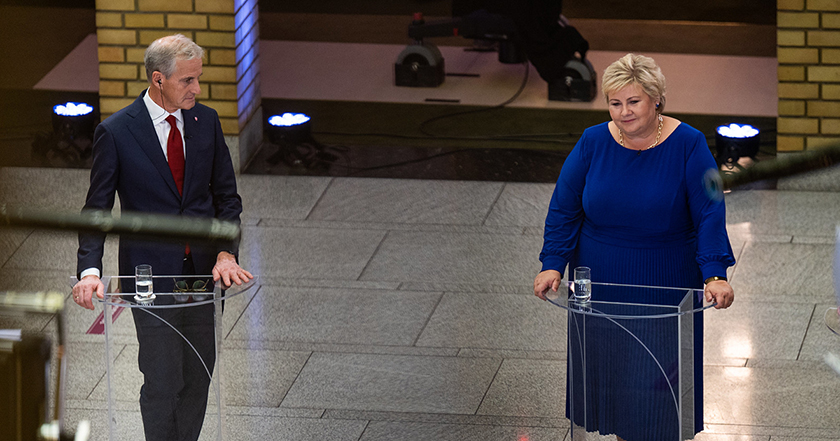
(173, 398)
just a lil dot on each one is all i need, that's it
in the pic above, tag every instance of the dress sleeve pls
(565, 212)
(714, 253)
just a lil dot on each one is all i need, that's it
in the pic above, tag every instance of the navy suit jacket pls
(128, 160)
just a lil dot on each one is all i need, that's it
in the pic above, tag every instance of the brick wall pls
(809, 74)
(226, 29)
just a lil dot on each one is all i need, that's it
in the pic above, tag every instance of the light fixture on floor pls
(735, 141)
(289, 128)
(71, 142)
(73, 119)
(292, 134)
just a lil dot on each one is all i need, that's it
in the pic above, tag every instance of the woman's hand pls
(720, 292)
(548, 279)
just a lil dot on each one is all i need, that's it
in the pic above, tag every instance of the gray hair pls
(162, 54)
(635, 69)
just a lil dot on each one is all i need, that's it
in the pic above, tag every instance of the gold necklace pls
(658, 135)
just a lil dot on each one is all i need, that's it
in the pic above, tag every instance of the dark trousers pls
(173, 399)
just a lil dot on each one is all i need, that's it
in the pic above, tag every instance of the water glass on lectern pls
(143, 284)
(583, 284)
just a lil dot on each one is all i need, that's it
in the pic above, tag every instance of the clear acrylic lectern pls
(120, 387)
(633, 359)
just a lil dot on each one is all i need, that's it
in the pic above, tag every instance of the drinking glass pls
(583, 284)
(143, 284)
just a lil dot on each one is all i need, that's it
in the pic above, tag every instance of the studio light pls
(289, 128)
(73, 119)
(291, 133)
(736, 141)
(71, 142)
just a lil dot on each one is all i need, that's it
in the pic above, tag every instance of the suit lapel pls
(191, 129)
(144, 133)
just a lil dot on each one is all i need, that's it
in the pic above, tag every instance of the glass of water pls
(143, 283)
(583, 284)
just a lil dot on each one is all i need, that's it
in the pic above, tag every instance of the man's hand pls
(720, 292)
(548, 279)
(229, 271)
(84, 289)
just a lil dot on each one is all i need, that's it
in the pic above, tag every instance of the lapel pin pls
(196, 118)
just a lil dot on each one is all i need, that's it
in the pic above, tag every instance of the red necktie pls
(175, 153)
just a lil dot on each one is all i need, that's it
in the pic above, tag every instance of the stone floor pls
(402, 309)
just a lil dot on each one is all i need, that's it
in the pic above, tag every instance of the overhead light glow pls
(72, 109)
(288, 119)
(737, 131)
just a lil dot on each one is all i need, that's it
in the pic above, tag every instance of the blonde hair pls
(635, 69)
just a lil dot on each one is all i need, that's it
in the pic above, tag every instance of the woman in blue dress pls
(630, 204)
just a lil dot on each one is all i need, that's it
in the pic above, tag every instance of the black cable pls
(487, 109)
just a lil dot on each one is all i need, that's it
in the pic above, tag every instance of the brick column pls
(809, 74)
(226, 29)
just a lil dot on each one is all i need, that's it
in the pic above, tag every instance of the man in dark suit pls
(166, 154)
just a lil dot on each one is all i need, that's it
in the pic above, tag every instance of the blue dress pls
(641, 218)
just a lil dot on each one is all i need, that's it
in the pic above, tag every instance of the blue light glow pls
(72, 109)
(737, 131)
(288, 119)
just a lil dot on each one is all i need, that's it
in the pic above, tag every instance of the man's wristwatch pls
(714, 278)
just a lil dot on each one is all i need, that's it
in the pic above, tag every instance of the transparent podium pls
(180, 322)
(631, 365)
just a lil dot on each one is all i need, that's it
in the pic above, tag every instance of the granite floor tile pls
(339, 347)
(328, 284)
(492, 288)
(392, 383)
(85, 369)
(818, 180)
(750, 329)
(394, 226)
(521, 205)
(495, 321)
(786, 397)
(129, 426)
(51, 250)
(10, 240)
(533, 388)
(126, 379)
(348, 316)
(819, 340)
(34, 280)
(279, 197)
(259, 428)
(778, 212)
(409, 431)
(407, 201)
(308, 253)
(57, 189)
(443, 418)
(79, 321)
(459, 258)
(784, 272)
(28, 281)
(236, 305)
(259, 378)
(771, 431)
